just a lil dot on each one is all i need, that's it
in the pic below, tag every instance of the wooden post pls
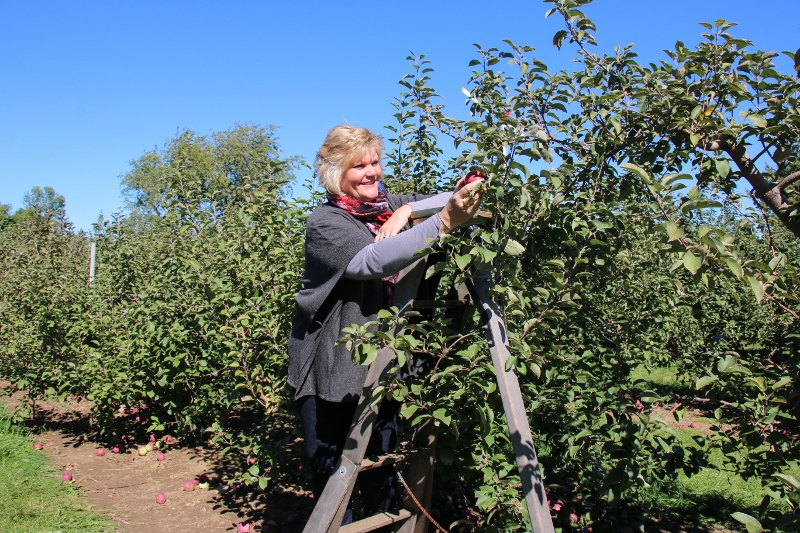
(92, 253)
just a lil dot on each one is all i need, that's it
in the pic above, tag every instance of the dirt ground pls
(125, 485)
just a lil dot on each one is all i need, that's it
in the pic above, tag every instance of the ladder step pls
(392, 458)
(434, 304)
(376, 521)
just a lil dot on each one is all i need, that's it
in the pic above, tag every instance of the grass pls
(710, 496)
(33, 497)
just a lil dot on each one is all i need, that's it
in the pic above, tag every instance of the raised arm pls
(388, 256)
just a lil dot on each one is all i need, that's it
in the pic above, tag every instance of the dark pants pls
(325, 426)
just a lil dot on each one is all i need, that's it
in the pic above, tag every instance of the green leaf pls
(439, 414)
(758, 120)
(699, 203)
(734, 266)
(408, 410)
(463, 260)
(558, 38)
(790, 480)
(785, 380)
(673, 231)
(704, 381)
(639, 171)
(781, 154)
(262, 483)
(649, 396)
(695, 138)
(726, 362)
(670, 178)
(433, 269)
(752, 525)
(692, 262)
(513, 248)
(723, 167)
(757, 287)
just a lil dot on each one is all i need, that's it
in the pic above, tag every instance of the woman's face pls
(361, 178)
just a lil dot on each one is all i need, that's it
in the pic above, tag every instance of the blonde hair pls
(343, 146)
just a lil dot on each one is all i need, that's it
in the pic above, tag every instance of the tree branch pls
(788, 180)
(765, 190)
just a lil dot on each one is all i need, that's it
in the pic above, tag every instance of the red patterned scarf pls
(373, 214)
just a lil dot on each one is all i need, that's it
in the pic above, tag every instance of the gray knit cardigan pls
(329, 302)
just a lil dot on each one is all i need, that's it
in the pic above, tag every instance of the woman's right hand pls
(461, 207)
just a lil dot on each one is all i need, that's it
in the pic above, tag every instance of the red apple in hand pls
(473, 175)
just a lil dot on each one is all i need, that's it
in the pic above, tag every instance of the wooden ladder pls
(331, 506)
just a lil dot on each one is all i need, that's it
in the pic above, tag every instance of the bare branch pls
(766, 223)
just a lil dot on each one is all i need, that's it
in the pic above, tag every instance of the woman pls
(355, 245)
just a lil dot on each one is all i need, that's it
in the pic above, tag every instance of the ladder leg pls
(516, 416)
(330, 508)
(420, 479)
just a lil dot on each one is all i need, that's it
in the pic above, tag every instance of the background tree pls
(46, 203)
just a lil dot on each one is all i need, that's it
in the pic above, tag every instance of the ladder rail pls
(514, 407)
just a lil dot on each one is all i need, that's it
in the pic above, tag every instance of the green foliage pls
(603, 258)
(617, 237)
(186, 321)
(43, 282)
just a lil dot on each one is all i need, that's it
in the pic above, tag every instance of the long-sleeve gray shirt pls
(391, 255)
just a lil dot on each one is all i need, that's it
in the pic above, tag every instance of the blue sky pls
(85, 87)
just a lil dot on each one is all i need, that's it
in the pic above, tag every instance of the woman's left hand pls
(395, 224)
